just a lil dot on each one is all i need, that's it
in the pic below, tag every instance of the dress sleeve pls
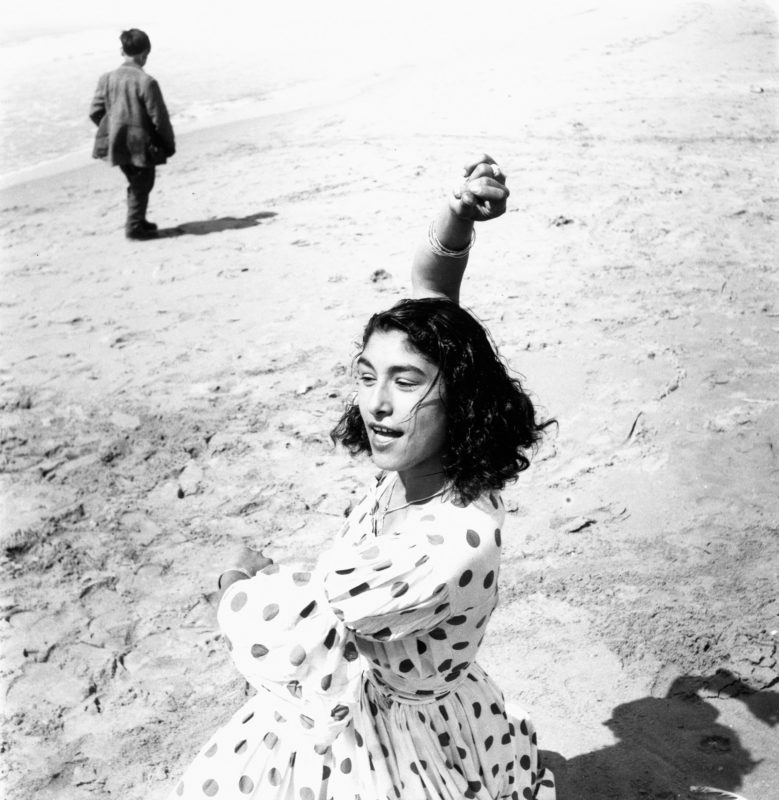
(393, 586)
(284, 638)
(278, 626)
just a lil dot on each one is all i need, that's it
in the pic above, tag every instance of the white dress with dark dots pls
(367, 685)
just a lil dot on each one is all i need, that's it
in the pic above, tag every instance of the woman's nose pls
(379, 402)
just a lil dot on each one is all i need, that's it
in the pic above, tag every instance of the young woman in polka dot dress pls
(367, 683)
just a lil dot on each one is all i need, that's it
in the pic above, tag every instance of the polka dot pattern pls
(473, 538)
(238, 601)
(365, 671)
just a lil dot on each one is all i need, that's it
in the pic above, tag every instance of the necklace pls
(413, 502)
(377, 519)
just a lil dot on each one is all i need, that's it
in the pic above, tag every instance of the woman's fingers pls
(480, 201)
(483, 193)
(484, 189)
(487, 171)
(483, 159)
(488, 188)
(251, 560)
(466, 198)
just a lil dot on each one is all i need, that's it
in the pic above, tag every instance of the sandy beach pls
(162, 402)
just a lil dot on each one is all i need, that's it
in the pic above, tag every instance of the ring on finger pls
(496, 170)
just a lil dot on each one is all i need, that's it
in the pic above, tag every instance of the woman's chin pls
(383, 461)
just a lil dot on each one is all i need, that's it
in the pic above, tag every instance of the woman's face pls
(400, 400)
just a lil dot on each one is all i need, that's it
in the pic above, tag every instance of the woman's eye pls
(404, 384)
(366, 379)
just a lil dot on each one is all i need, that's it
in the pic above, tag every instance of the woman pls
(367, 683)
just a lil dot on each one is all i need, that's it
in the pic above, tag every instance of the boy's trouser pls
(140, 182)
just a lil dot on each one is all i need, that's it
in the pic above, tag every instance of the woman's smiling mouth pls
(383, 435)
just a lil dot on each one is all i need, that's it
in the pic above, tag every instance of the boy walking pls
(134, 131)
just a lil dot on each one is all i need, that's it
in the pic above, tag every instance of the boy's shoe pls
(142, 233)
(148, 226)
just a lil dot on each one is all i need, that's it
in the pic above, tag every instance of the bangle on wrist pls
(441, 250)
(239, 570)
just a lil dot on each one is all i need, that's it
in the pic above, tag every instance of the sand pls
(163, 402)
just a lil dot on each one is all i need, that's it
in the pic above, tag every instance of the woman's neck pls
(413, 488)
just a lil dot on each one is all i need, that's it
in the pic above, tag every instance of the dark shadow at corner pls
(206, 226)
(668, 745)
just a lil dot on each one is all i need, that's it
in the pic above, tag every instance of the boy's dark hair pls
(134, 42)
(490, 420)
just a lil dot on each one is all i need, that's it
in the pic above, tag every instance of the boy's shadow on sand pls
(667, 745)
(206, 226)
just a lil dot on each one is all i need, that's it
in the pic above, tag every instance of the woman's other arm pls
(245, 564)
(440, 261)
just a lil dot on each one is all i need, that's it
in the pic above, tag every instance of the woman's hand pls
(483, 194)
(440, 261)
(251, 560)
(245, 564)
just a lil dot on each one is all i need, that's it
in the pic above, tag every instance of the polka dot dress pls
(367, 685)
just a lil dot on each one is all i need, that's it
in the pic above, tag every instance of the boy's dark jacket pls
(132, 119)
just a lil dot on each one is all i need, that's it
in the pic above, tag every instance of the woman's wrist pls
(453, 232)
(445, 250)
(440, 260)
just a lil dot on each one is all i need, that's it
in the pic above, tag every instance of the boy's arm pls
(98, 108)
(158, 112)
(439, 263)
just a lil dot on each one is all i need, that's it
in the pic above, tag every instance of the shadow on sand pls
(668, 745)
(206, 226)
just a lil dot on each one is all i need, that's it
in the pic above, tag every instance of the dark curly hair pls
(491, 422)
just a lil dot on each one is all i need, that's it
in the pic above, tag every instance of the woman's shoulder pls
(478, 521)
(487, 508)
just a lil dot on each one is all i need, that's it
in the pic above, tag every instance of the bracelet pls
(231, 569)
(440, 250)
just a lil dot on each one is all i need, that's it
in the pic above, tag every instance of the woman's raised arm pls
(440, 261)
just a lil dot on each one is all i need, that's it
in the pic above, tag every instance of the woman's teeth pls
(380, 431)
